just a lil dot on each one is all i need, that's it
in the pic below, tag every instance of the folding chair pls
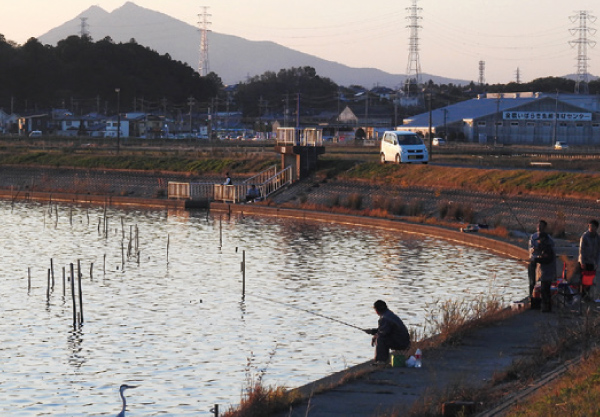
(570, 294)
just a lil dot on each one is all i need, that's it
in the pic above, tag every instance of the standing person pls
(228, 180)
(589, 249)
(391, 333)
(546, 269)
(533, 254)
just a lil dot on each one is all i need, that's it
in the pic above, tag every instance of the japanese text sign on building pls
(544, 116)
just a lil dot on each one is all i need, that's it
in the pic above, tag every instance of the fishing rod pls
(310, 312)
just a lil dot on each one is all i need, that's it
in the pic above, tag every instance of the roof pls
(492, 103)
(470, 109)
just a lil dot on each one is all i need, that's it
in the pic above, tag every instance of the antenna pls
(413, 69)
(582, 43)
(83, 31)
(203, 66)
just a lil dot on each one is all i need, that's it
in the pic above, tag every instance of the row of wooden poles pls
(77, 311)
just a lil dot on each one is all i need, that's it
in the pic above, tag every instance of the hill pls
(233, 58)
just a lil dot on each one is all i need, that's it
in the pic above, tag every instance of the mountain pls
(232, 58)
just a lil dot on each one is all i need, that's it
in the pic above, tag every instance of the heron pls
(121, 391)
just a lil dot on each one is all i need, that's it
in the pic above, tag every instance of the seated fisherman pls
(253, 193)
(391, 333)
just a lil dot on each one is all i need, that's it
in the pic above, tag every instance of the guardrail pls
(267, 182)
(262, 177)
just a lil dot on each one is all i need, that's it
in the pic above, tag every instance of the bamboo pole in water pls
(73, 297)
(52, 271)
(92, 271)
(168, 242)
(48, 287)
(64, 285)
(28, 279)
(80, 291)
(243, 273)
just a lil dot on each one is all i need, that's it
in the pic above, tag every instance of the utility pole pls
(118, 91)
(191, 102)
(430, 129)
(203, 66)
(298, 111)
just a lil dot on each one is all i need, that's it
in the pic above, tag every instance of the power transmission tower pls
(413, 68)
(83, 29)
(582, 42)
(203, 66)
(481, 73)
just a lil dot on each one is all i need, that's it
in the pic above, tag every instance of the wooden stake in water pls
(92, 271)
(64, 285)
(220, 233)
(168, 242)
(80, 291)
(243, 273)
(48, 287)
(73, 297)
(28, 279)
(52, 271)
(104, 265)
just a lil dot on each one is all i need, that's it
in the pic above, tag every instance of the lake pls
(163, 306)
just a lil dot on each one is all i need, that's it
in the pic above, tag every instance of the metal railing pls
(262, 177)
(280, 179)
(306, 137)
(267, 182)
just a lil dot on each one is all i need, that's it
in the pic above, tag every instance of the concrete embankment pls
(494, 245)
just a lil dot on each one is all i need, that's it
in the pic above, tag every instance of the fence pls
(267, 182)
(306, 137)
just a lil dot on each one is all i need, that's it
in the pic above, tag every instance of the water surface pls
(173, 319)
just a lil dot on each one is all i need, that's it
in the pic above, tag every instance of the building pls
(515, 119)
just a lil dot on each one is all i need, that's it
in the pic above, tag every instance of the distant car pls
(561, 145)
(472, 228)
(439, 142)
(35, 134)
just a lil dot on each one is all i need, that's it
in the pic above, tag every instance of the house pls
(112, 127)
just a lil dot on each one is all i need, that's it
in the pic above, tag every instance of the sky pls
(531, 38)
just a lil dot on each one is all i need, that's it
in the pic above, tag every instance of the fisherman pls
(391, 333)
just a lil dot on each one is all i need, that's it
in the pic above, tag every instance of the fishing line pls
(310, 312)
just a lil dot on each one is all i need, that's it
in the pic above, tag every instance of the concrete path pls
(473, 363)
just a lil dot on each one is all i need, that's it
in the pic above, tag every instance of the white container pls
(418, 357)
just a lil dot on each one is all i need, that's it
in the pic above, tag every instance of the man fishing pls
(391, 333)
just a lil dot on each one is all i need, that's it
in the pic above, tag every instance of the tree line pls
(83, 76)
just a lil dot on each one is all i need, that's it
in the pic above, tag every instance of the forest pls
(103, 76)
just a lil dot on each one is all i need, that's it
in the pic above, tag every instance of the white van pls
(403, 147)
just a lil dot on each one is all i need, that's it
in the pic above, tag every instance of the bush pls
(354, 201)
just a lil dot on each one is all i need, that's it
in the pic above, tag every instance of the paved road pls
(472, 364)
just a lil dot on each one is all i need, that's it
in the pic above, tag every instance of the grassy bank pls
(498, 181)
(197, 164)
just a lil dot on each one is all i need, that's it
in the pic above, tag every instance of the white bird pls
(121, 390)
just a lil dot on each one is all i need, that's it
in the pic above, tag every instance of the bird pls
(121, 390)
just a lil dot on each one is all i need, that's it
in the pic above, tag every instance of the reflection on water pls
(172, 318)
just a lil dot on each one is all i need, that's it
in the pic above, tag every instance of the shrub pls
(354, 201)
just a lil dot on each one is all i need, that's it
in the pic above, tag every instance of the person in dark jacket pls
(391, 333)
